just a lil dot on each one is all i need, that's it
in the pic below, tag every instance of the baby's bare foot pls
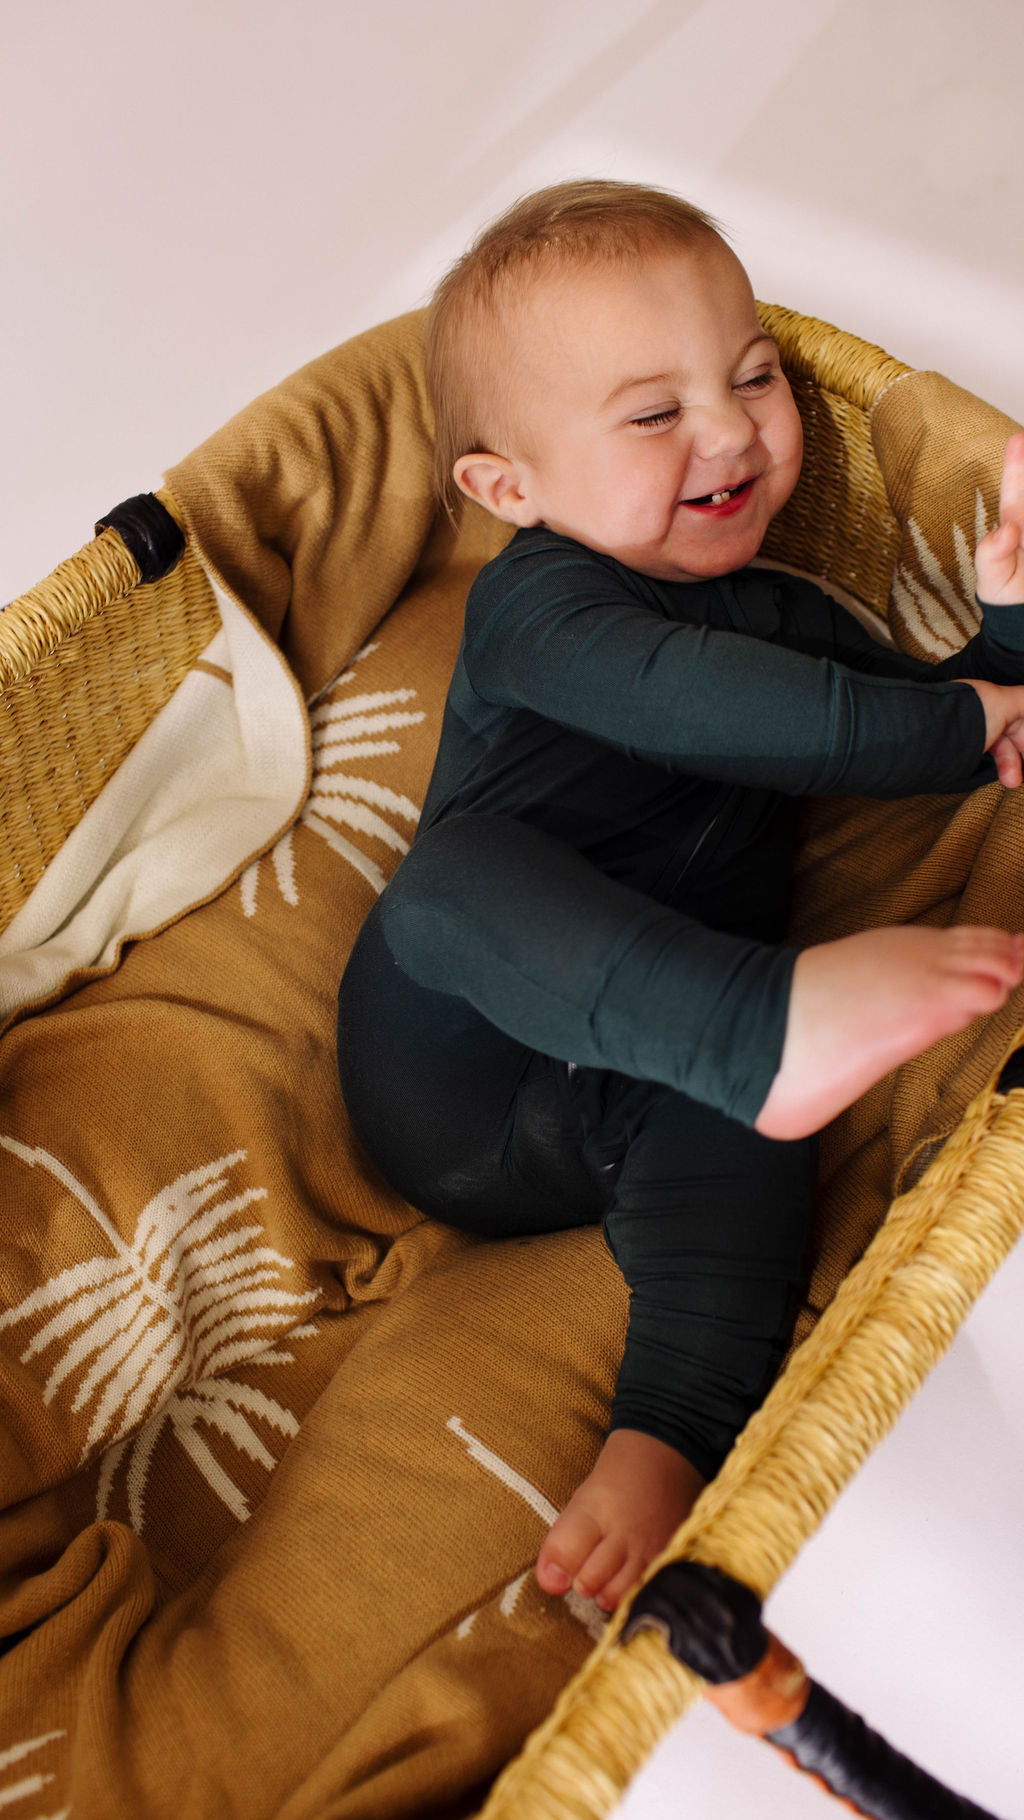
(623, 1515)
(861, 1006)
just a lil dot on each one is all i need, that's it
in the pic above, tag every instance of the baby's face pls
(641, 394)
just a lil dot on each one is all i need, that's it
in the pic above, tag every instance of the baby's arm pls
(585, 648)
(571, 636)
(893, 992)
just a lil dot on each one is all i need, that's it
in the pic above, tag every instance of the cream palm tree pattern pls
(585, 1611)
(194, 1293)
(348, 727)
(22, 1775)
(937, 609)
(221, 1405)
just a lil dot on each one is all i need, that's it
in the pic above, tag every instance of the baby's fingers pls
(999, 565)
(999, 558)
(1011, 491)
(1006, 754)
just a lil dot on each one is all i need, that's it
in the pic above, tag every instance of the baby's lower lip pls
(721, 508)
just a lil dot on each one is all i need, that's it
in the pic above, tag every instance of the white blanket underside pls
(218, 775)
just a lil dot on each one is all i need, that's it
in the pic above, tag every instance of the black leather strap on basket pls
(712, 1624)
(830, 1741)
(148, 532)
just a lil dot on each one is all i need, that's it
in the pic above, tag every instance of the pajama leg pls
(471, 1126)
(566, 960)
(514, 1028)
(709, 1223)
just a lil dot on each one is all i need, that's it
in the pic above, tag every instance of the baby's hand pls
(999, 558)
(1004, 726)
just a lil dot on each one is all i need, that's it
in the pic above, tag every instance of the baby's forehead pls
(569, 306)
(567, 334)
(554, 287)
(561, 277)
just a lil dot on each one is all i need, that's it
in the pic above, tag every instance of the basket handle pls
(148, 532)
(712, 1624)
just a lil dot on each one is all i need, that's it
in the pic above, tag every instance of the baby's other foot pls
(860, 1006)
(623, 1514)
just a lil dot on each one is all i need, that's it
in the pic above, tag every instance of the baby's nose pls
(722, 429)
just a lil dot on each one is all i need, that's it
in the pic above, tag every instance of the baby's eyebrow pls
(627, 385)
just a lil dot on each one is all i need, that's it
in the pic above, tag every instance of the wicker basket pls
(86, 660)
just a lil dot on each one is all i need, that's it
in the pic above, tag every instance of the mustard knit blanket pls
(277, 1453)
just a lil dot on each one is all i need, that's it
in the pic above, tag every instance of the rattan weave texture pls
(838, 524)
(87, 659)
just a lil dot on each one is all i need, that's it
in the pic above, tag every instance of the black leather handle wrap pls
(831, 1742)
(709, 1621)
(712, 1623)
(148, 531)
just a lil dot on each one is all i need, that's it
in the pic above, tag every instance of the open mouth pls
(727, 496)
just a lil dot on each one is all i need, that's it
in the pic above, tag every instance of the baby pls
(574, 1002)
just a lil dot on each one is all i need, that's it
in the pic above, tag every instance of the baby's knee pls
(467, 873)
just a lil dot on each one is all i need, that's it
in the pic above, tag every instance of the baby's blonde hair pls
(592, 221)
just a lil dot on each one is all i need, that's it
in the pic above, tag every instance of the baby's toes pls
(601, 1566)
(619, 1584)
(567, 1545)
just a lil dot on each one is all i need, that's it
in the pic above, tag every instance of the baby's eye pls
(657, 418)
(759, 382)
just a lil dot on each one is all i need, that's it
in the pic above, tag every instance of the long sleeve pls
(803, 702)
(816, 624)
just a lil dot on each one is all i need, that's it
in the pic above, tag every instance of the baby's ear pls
(495, 482)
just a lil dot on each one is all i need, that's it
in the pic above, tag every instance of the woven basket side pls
(838, 525)
(87, 659)
(890, 1323)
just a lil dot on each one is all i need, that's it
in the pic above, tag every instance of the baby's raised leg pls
(860, 1006)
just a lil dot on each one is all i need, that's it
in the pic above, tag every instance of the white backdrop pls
(195, 200)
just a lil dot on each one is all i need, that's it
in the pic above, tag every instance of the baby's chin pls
(668, 558)
(665, 566)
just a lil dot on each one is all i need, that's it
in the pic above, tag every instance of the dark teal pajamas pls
(569, 1003)
(498, 1136)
